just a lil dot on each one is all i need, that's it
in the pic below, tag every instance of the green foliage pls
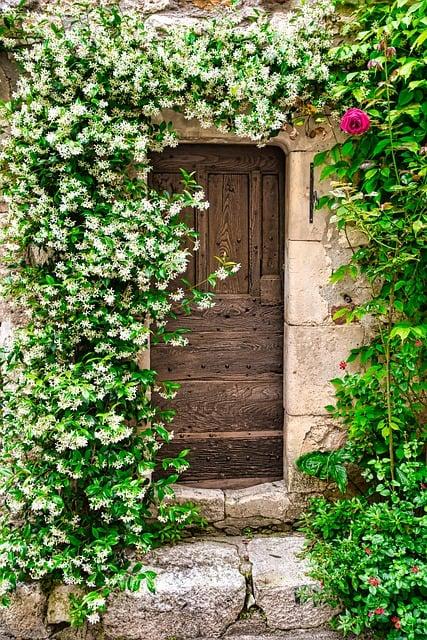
(379, 189)
(96, 258)
(326, 465)
(370, 560)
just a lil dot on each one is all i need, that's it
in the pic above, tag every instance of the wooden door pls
(230, 406)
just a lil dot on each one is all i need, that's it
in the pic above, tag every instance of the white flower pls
(221, 273)
(93, 618)
(177, 295)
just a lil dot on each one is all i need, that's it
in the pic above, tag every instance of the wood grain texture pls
(220, 406)
(233, 313)
(230, 408)
(271, 252)
(215, 459)
(229, 233)
(238, 158)
(172, 183)
(220, 355)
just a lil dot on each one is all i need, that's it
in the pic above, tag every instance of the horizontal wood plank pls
(220, 355)
(232, 313)
(227, 158)
(230, 458)
(217, 406)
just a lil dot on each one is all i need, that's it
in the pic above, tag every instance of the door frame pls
(304, 394)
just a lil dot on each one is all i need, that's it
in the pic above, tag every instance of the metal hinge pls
(313, 195)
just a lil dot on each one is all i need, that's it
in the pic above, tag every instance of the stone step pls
(298, 634)
(233, 588)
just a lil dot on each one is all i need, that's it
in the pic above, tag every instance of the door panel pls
(229, 233)
(230, 406)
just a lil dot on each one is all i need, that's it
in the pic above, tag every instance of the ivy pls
(96, 259)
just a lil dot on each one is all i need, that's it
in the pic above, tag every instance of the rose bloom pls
(355, 122)
(374, 582)
(396, 621)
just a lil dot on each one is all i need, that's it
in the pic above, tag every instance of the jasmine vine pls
(96, 258)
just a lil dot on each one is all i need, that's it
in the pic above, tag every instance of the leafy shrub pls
(370, 552)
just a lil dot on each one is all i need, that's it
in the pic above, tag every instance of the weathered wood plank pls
(255, 212)
(221, 355)
(236, 458)
(271, 216)
(172, 183)
(221, 157)
(228, 232)
(217, 406)
(233, 313)
(271, 290)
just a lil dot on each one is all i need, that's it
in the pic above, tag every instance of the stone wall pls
(314, 344)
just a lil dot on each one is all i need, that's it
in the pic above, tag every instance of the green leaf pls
(325, 466)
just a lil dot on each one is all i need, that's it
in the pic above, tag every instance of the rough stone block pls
(24, 618)
(209, 501)
(199, 592)
(299, 634)
(298, 200)
(4, 86)
(312, 359)
(58, 606)
(261, 505)
(304, 434)
(6, 332)
(308, 269)
(277, 574)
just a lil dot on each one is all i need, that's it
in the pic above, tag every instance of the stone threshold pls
(235, 588)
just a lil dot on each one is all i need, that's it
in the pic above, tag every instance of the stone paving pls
(234, 588)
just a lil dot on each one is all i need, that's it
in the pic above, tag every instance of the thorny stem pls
(390, 130)
(392, 292)
(387, 355)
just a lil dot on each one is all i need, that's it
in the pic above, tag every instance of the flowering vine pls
(95, 258)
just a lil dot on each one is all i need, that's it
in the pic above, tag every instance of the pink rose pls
(355, 122)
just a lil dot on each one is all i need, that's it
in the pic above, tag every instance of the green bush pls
(370, 552)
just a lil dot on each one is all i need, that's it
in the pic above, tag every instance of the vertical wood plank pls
(202, 227)
(270, 226)
(255, 233)
(229, 227)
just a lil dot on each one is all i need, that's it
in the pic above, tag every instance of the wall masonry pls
(314, 344)
(233, 588)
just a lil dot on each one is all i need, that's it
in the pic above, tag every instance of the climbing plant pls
(369, 551)
(96, 258)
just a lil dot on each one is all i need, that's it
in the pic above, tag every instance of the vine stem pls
(392, 292)
(388, 387)
(390, 130)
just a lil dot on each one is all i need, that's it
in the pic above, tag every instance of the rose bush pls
(370, 551)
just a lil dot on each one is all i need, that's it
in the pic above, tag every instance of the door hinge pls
(313, 195)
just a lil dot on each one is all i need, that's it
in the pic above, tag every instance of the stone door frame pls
(313, 344)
